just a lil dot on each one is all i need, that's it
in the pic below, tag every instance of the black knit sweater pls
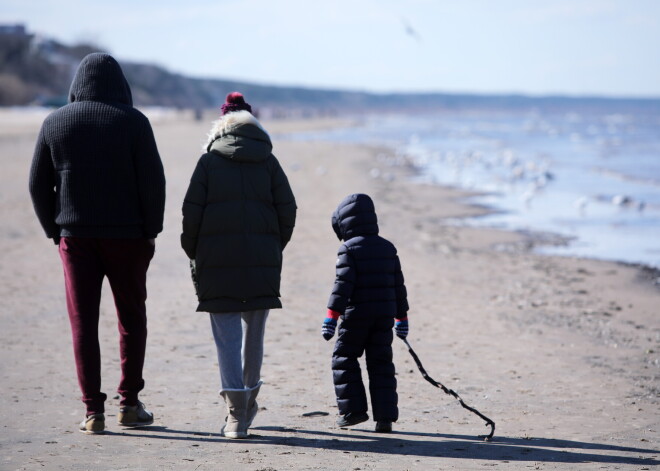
(96, 171)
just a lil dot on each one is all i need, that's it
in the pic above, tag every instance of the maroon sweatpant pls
(125, 262)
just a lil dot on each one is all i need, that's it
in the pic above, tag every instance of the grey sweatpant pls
(239, 340)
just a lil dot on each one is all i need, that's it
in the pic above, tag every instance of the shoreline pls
(586, 221)
(526, 240)
(530, 239)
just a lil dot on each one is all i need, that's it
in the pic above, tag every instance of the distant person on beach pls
(368, 295)
(238, 215)
(98, 188)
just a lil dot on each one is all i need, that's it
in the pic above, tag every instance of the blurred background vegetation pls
(36, 70)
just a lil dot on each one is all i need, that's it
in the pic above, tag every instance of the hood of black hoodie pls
(100, 78)
(355, 216)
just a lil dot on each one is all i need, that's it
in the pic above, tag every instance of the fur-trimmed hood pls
(239, 135)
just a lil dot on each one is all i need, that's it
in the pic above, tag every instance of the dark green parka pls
(238, 215)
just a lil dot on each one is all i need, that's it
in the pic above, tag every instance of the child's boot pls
(352, 418)
(383, 426)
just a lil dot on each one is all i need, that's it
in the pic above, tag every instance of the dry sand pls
(562, 353)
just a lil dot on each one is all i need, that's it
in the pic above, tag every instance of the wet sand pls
(562, 353)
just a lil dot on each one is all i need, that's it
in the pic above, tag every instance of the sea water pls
(591, 176)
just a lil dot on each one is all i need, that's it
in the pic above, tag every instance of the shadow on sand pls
(545, 450)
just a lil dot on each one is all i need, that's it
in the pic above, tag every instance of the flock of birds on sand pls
(509, 170)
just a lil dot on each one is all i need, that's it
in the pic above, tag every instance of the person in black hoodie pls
(98, 188)
(368, 294)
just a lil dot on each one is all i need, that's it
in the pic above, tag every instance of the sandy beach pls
(562, 353)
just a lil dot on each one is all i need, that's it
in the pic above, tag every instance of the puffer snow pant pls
(373, 336)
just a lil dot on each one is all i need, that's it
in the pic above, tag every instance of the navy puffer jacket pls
(369, 280)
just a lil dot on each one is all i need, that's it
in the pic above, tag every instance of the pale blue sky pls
(574, 47)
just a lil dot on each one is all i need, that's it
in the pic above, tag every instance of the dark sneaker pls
(134, 416)
(352, 419)
(93, 424)
(383, 426)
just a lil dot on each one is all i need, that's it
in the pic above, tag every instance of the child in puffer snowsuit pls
(368, 295)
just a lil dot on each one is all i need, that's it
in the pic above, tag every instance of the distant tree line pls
(39, 71)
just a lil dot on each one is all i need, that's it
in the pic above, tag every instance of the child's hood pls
(355, 216)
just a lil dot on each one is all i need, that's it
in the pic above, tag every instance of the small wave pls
(647, 180)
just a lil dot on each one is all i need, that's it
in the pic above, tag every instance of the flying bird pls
(410, 31)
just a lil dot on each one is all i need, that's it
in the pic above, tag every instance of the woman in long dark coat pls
(238, 215)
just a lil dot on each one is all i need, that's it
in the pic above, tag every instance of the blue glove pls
(401, 328)
(328, 328)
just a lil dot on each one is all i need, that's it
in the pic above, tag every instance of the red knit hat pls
(235, 102)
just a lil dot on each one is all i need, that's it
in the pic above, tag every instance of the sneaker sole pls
(92, 432)
(135, 424)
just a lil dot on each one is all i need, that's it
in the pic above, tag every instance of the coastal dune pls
(562, 353)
